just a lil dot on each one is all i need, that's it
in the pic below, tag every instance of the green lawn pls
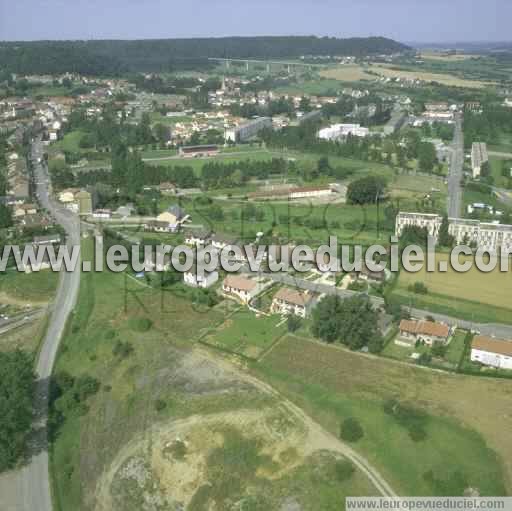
(456, 347)
(70, 142)
(245, 333)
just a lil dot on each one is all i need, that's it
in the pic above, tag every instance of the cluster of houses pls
(485, 350)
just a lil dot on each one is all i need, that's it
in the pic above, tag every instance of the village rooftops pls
(293, 297)
(238, 282)
(492, 345)
(424, 328)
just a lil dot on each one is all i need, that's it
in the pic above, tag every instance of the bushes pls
(140, 324)
(351, 430)
(16, 389)
(418, 288)
(122, 349)
(344, 470)
(410, 418)
(68, 396)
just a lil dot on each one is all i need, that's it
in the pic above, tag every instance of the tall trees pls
(353, 322)
(16, 389)
(366, 190)
(427, 156)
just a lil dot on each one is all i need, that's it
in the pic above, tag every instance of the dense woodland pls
(115, 57)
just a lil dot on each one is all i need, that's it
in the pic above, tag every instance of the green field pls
(35, 287)
(474, 295)
(165, 383)
(246, 334)
(70, 142)
(333, 384)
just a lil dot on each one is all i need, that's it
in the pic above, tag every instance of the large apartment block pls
(479, 156)
(429, 221)
(247, 130)
(489, 236)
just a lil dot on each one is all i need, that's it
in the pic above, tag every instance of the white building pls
(479, 156)
(247, 130)
(339, 131)
(429, 221)
(291, 301)
(492, 352)
(243, 288)
(193, 279)
(489, 236)
(310, 192)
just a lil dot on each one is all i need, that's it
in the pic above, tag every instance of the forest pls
(166, 55)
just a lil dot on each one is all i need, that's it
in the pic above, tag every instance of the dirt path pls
(322, 438)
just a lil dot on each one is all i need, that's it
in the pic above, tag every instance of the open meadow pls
(175, 424)
(472, 295)
(465, 440)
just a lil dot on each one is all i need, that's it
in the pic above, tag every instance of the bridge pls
(267, 63)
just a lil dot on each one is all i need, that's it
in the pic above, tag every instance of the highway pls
(455, 175)
(28, 489)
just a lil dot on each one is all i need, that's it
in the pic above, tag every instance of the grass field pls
(246, 334)
(173, 422)
(491, 290)
(70, 142)
(463, 433)
(434, 55)
(388, 71)
(347, 73)
(36, 287)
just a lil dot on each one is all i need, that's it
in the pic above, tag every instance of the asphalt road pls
(455, 176)
(28, 489)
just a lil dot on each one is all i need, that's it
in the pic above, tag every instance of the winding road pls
(28, 489)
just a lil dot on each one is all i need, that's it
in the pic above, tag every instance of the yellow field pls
(346, 73)
(435, 55)
(445, 79)
(493, 288)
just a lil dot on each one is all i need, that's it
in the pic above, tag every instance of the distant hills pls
(116, 57)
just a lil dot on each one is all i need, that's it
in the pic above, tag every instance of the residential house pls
(167, 188)
(206, 279)
(368, 275)
(24, 209)
(292, 301)
(174, 216)
(197, 238)
(244, 288)
(492, 352)
(429, 332)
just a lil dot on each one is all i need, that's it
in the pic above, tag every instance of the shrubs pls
(343, 470)
(160, 405)
(293, 323)
(410, 418)
(419, 288)
(351, 430)
(16, 388)
(122, 349)
(140, 324)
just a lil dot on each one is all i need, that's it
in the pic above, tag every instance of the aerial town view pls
(255, 256)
